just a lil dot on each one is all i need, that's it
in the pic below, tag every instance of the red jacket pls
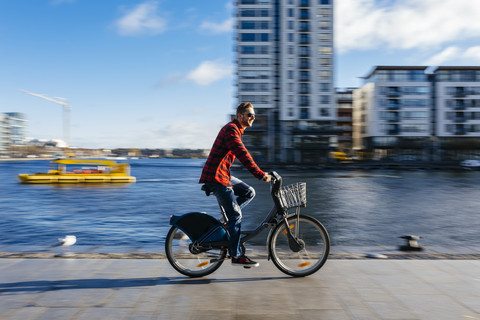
(227, 147)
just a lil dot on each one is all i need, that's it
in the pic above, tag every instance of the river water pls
(359, 208)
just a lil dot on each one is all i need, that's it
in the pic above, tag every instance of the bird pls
(65, 242)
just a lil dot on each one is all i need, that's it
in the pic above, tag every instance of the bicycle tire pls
(308, 260)
(194, 265)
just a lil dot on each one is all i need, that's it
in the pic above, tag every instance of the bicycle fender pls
(194, 224)
(269, 238)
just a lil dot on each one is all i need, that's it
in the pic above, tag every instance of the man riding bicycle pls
(232, 193)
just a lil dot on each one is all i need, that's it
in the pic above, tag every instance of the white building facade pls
(408, 113)
(394, 109)
(285, 67)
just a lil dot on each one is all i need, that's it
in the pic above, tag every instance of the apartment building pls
(457, 111)
(408, 113)
(12, 130)
(284, 58)
(344, 100)
(393, 113)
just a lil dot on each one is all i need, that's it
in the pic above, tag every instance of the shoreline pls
(256, 252)
(350, 165)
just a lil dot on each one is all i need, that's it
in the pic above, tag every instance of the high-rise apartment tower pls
(285, 67)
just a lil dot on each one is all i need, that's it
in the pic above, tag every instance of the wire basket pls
(294, 195)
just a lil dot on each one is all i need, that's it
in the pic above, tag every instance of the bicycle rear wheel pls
(308, 260)
(181, 255)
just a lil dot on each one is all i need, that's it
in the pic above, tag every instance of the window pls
(324, 13)
(325, 37)
(254, 49)
(291, 50)
(247, 37)
(304, 26)
(304, 76)
(304, 63)
(324, 87)
(304, 14)
(304, 51)
(254, 74)
(324, 25)
(257, 62)
(324, 99)
(291, 87)
(304, 113)
(290, 74)
(247, 25)
(254, 86)
(325, 62)
(291, 13)
(324, 1)
(291, 25)
(324, 112)
(254, 37)
(304, 101)
(324, 74)
(290, 37)
(325, 50)
(247, 13)
(304, 38)
(304, 88)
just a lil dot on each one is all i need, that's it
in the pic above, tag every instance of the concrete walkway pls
(150, 289)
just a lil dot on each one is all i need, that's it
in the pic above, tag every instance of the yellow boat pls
(82, 171)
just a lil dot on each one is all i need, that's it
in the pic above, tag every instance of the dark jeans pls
(233, 199)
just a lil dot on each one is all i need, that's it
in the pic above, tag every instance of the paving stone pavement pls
(151, 289)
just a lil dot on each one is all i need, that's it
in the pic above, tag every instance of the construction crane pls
(66, 114)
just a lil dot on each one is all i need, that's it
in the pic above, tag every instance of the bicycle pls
(197, 244)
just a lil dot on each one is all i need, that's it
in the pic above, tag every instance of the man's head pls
(245, 114)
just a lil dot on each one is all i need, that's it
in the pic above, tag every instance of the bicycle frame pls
(270, 221)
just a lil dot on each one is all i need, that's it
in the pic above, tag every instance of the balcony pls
(394, 132)
(393, 94)
(304, 65)
(393, 107)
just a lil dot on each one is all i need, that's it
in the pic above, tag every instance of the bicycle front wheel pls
(314, 253)
(190, 261)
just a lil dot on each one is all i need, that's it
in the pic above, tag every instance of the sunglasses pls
(250, 115)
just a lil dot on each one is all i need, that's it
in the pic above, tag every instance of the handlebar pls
(276, 184)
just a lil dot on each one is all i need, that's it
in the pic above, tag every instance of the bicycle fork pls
(294, 243)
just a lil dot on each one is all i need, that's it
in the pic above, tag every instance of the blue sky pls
(159, 74)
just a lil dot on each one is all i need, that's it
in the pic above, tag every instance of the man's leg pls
(226, 197)
(243, 191)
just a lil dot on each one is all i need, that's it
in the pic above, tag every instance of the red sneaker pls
(244, 261)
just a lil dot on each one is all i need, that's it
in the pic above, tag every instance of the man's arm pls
(234, 143)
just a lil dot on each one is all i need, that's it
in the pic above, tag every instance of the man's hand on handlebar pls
(267, 178)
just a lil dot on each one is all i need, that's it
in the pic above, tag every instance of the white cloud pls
(216, 28)
(372, 24)
(454, 55)
(209, 71)
(143, 19)
(444, 56)
(473, 53)
(184, 134)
